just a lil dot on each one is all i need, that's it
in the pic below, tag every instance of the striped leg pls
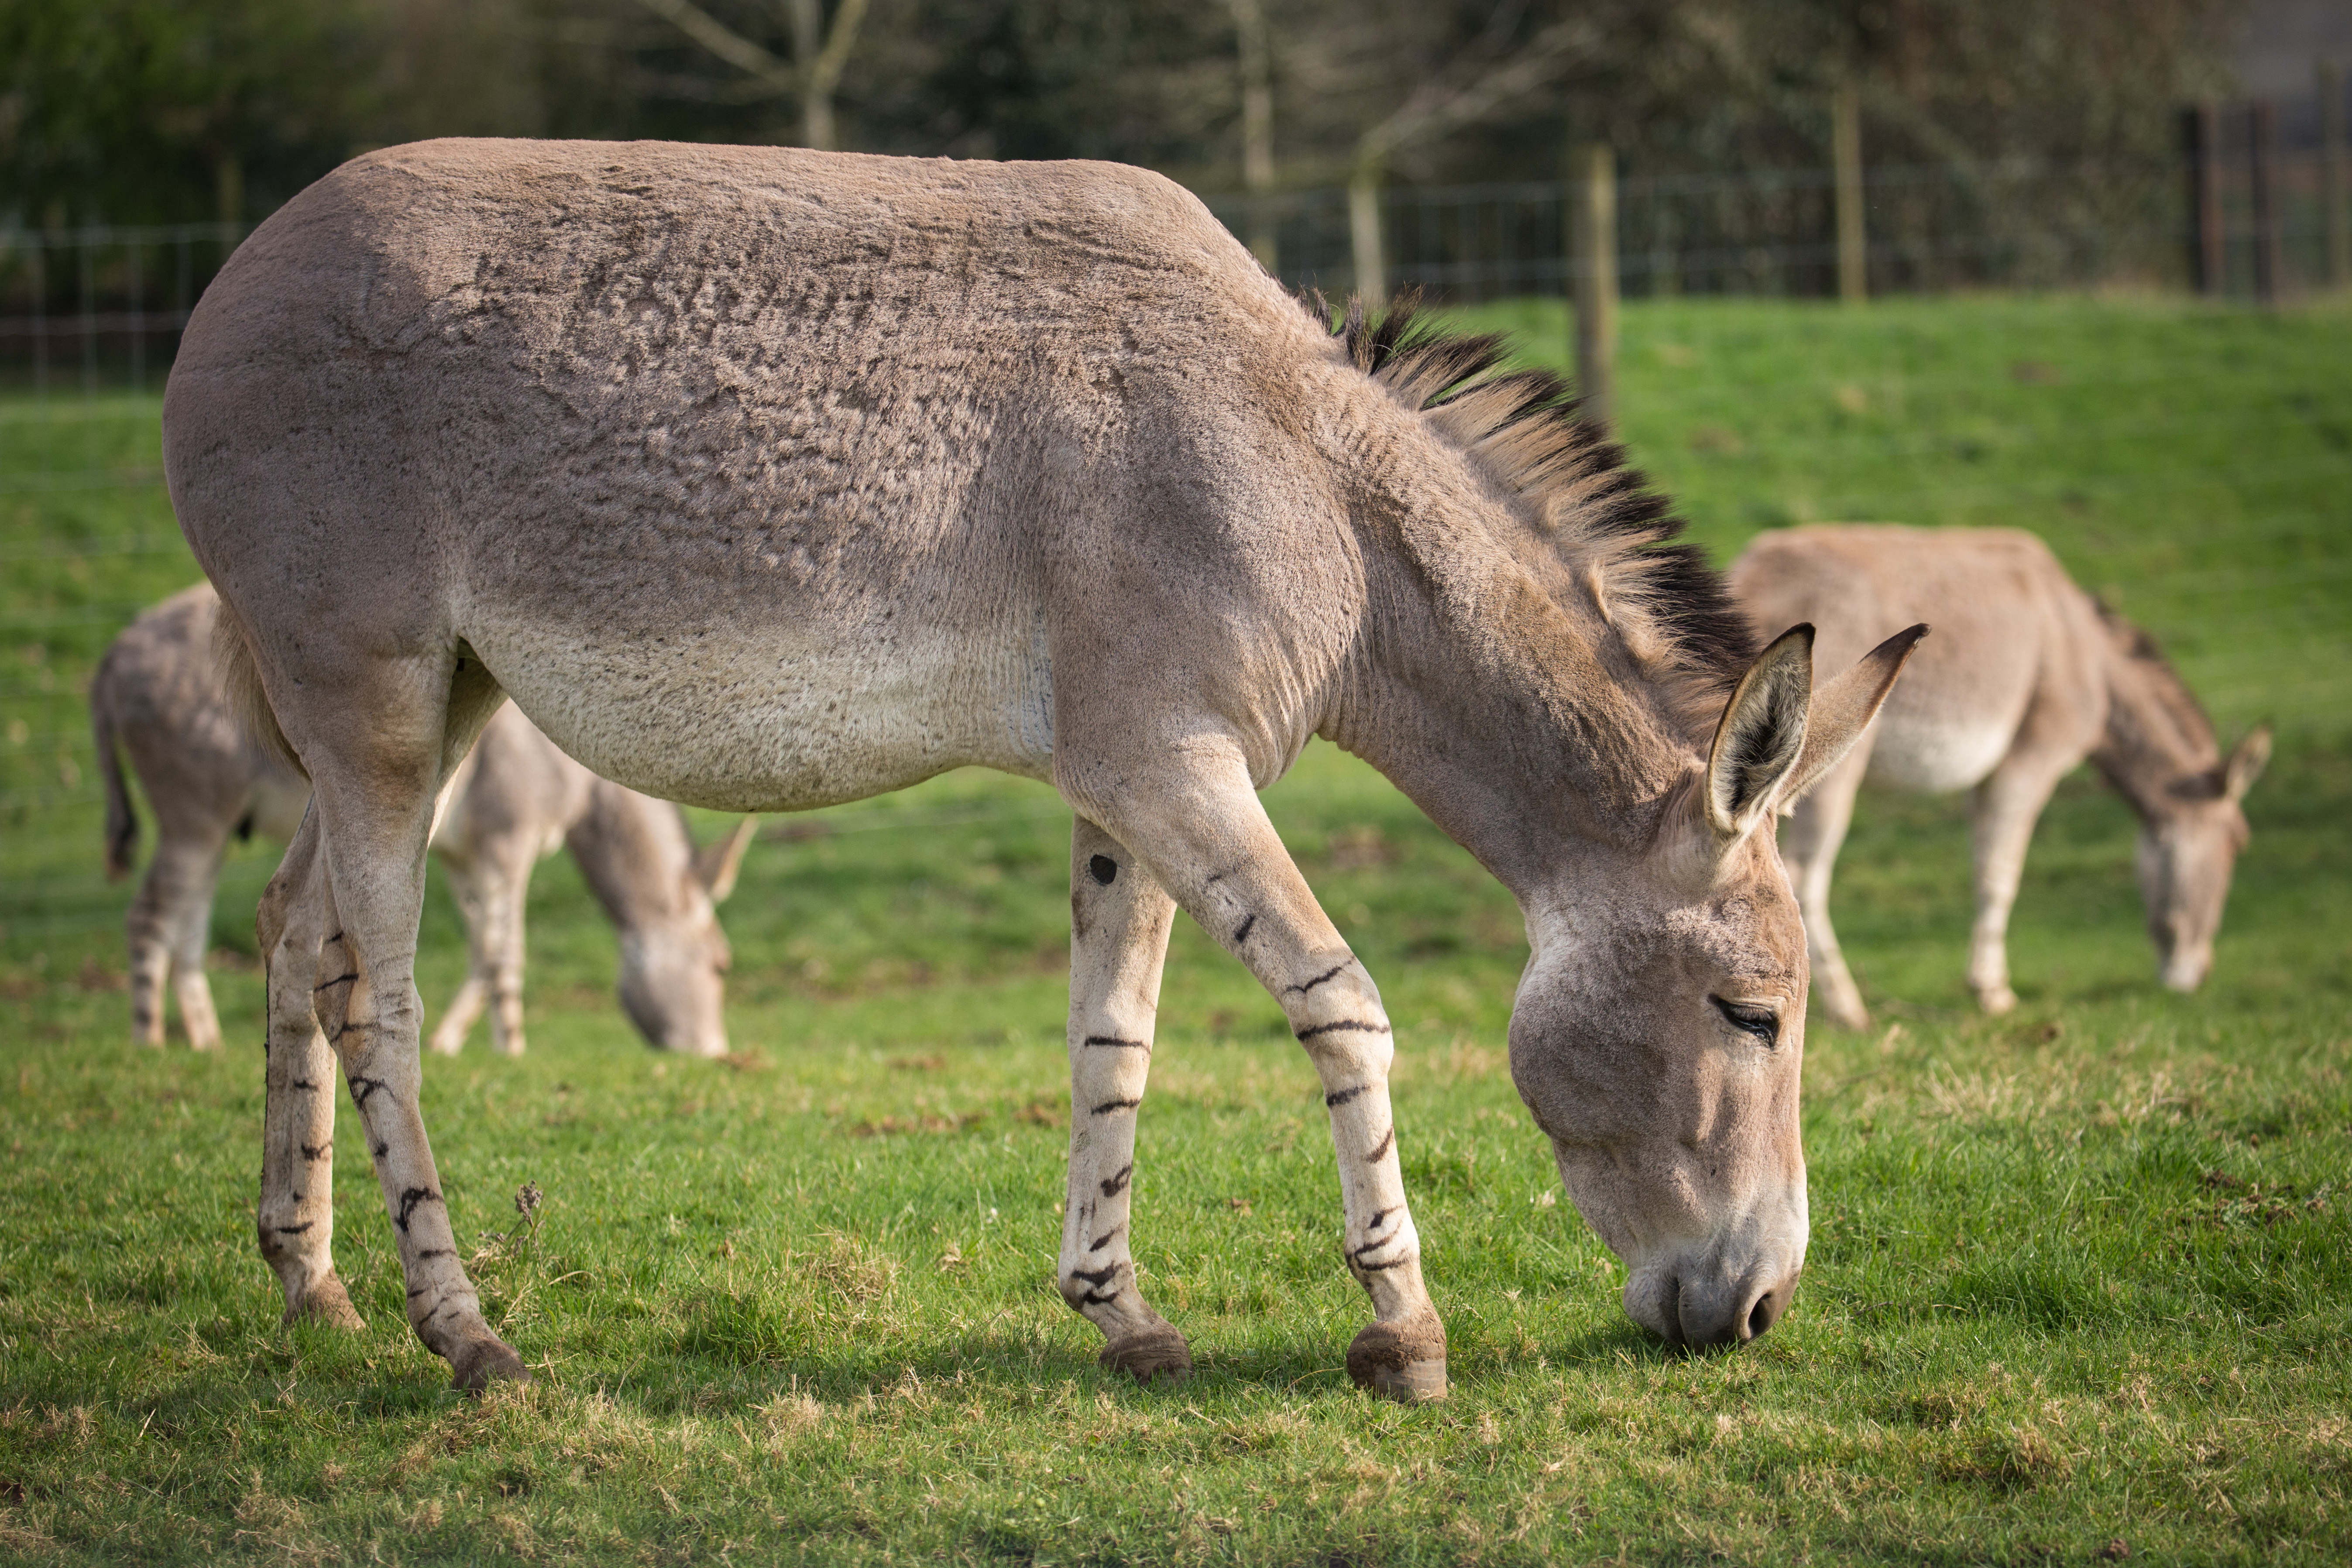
(367, 1003)
(1120, 920)
(296, 1216)
(170, 919)
(1212, 847)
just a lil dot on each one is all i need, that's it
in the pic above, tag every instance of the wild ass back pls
(761, 478)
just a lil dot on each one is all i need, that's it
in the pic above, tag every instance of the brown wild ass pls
(763, 479)
(157, 696)
(2027, 676)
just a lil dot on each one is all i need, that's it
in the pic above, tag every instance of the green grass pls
(2078, 1276)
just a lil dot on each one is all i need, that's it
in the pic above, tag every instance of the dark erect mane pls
(1521, 427)
(2193, 730)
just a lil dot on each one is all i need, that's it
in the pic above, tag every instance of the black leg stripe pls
(1388, 1141)
(1331, 974)
(1107, 1106)
(1345, 1025)
(1341, 1097)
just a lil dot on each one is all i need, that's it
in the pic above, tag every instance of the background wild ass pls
(2027, 676)
(765, 478)
(157, 696)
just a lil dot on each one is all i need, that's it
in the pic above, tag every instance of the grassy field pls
(2081, 1278)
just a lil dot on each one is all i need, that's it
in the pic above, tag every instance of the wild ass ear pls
(716, 863)
(1844, 709)
(2246, 762)
(1760, 736)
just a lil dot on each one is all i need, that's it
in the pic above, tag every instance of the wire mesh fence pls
(2247, 220)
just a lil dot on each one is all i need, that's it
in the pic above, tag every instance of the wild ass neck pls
(2157, 735)
(1515, 717)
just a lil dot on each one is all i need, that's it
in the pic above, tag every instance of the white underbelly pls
(1916, 753)
(770, 720)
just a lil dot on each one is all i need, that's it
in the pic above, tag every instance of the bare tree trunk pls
(1257, 124)
(1364, 234)
(808, 43)
(1596, 280)
(1846, 155)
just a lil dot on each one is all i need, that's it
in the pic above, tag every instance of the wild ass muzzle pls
(157, 697)
(763, 479)
(2027, 676)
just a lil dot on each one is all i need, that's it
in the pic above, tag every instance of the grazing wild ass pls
(515, 798)
(766, 479)
(2027, 676)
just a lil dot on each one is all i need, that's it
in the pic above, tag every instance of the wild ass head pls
(1659, 1037)
(1658, 1032)
(2161, 755)
(663, 896)
(2188, 845)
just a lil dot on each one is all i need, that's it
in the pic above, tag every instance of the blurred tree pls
(152, 109)
(819, 53)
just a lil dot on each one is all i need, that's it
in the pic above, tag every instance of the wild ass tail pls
(240, 680)
(121, 825)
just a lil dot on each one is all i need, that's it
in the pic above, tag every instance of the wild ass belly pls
(781, 718)
(1935, 755)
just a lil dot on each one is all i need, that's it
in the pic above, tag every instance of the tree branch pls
(1440, 105)
(824, 71)
(725, 42)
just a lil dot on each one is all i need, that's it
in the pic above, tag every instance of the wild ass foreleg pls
(1809, 846)
(296, 1220)
(2008, 804)
(1120, 920)
(367, 1002)
(1218, 852)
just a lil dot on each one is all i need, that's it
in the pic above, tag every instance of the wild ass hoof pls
(1404, 1361)
(477, 1363)
(1996, 1000)
(1156, 1355)
(326, 1303)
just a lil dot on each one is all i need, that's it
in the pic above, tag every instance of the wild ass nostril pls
(1767, 1309)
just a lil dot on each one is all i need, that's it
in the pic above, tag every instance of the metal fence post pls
(1846, 153)
(2207, 258)
(2332, 196)
(1364, 235)
(1596, 280)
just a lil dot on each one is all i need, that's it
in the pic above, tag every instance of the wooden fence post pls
(1596, 280)
(2264, 157)
(1364, 234)
(2333, 197)
(2205, 247)
(1845, 155)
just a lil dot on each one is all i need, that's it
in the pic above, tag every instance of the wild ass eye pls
(1762, 1022)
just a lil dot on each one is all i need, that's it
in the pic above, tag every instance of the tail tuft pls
(121, 825)
(240, 680)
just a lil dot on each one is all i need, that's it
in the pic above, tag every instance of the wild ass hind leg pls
(1120, 920)
(1810, 846)
(466, 1008)
(296, 1219)
(1207, 838)
(374, 795)
(2008, 804)
(169, 922)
